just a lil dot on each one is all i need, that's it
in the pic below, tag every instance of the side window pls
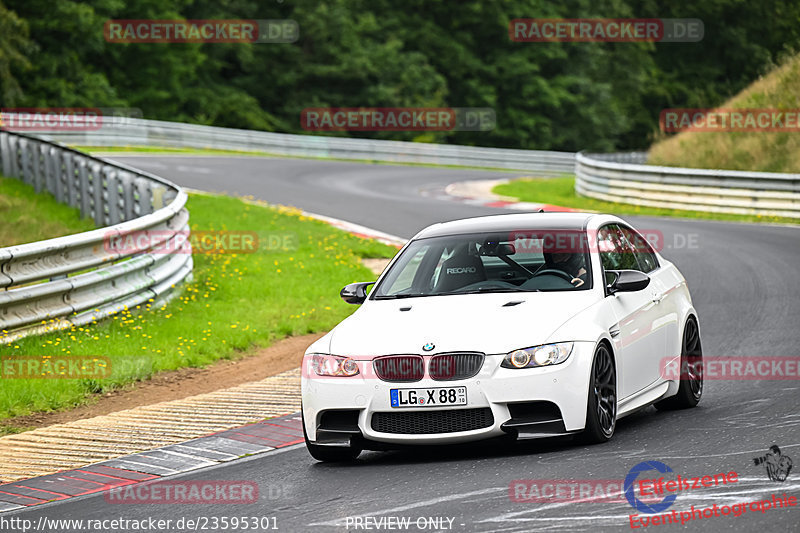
(616, 252)
(644, 252)
(606, 247)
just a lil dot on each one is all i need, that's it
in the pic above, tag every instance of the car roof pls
(509, 222)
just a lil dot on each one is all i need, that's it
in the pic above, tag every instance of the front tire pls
(601, 406)
(691, 378)
(330, 454)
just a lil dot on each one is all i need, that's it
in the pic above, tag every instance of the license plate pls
(428, 397)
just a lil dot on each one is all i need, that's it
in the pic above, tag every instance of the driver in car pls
(571, 264)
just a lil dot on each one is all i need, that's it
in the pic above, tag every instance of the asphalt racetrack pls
(745, 286)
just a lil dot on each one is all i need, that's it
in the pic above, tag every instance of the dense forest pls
(393, 53)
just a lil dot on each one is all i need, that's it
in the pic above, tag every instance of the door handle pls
(657, 298)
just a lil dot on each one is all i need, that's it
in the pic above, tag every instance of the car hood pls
(489, 323)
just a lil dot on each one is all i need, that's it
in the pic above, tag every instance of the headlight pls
(333, 365)
(547, 354)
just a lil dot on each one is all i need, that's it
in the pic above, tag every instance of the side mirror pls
(355, 293)
(626, 281)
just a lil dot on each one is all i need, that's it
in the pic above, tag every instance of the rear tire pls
(691, 380)
(601, 406)
(330, 454)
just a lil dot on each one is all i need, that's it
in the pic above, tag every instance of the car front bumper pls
(565, 385)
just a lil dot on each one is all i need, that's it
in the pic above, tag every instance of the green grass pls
(27, 216)
(11, 430)
(235, 302)
(744, 150)
(561, 192)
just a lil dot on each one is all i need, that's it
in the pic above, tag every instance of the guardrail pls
(77, 279)
(624, 178)
(121, 131)
(619, 177)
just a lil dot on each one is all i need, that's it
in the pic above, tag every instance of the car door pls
(666, 281)
(638, 344)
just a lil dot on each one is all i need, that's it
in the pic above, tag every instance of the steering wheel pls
(556, 272)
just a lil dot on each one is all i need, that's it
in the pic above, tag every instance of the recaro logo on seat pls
(462, 270)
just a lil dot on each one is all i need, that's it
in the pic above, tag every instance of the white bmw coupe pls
(529, 325)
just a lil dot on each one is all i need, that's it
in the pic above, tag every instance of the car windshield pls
(513, 261)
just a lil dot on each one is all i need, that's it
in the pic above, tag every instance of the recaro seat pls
(463, 269)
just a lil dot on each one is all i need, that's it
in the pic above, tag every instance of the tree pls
(14, 45)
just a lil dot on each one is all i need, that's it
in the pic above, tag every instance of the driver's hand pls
(577, 282)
